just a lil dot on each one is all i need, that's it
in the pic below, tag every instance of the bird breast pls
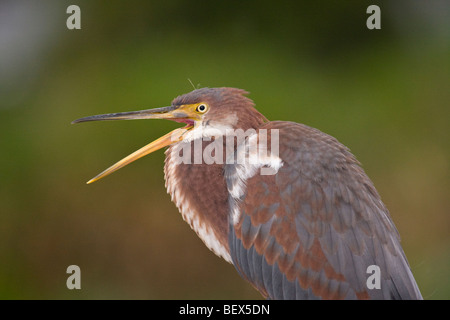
(207, 195)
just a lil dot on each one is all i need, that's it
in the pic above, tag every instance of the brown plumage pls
(309, 230)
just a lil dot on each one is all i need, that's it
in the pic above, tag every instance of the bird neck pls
(197, 185)
(200, 193)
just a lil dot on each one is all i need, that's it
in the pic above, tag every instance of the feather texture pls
(316, 225)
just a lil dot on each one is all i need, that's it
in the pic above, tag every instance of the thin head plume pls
(193, 86)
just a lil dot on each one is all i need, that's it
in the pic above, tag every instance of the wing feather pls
(311, 230)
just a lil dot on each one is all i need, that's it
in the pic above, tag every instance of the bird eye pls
(202, 108)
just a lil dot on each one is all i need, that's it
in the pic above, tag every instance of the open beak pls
(178, 114)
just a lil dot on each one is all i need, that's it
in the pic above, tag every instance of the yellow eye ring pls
(202, 108)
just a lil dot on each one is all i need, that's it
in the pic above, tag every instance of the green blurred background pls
(383, 93)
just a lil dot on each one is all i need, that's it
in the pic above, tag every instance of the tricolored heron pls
(309, 228)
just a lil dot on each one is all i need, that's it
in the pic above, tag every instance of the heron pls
(311, 226)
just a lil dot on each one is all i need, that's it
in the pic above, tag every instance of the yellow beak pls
(179, 114)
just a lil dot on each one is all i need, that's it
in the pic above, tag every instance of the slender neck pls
(200, 193)
(199, 190)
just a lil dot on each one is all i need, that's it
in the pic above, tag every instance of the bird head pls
(206, 112)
